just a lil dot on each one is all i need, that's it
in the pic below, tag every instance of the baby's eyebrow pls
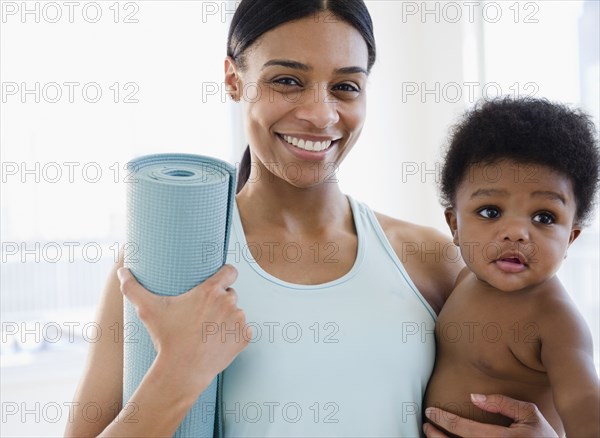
(480, 193)
(554, 196)
(550, 195)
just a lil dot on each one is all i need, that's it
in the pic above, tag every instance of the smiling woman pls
(281, 75)
(349, 313)
(311, 100)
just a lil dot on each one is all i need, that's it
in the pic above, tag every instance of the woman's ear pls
(450, 215)
(232, 79)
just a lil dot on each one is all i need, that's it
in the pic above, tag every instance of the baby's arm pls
(567, 355)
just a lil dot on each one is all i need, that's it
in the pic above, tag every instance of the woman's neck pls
(294, 209)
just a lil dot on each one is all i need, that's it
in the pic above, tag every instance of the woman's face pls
(303, 98)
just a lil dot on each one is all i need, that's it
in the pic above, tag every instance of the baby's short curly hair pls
(528, 131)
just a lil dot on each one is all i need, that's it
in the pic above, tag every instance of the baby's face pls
(513, 223)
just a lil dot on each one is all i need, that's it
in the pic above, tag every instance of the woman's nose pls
(318, 107)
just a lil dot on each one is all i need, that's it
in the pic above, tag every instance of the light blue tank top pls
(350, 357)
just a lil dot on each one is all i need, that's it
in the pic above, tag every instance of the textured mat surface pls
(178, 218)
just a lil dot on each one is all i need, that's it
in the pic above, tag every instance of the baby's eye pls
(489, 212)
(544, 218)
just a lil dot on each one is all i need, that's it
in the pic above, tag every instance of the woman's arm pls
(102, 380)
(188, 358)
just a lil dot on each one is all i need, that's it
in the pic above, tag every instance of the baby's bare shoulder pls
(558, 315)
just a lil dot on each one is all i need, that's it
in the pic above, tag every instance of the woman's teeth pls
(308, 145)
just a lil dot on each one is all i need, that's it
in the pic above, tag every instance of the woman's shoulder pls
(429, 256)
(398, 231)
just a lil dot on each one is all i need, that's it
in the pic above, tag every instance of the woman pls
(309, 259)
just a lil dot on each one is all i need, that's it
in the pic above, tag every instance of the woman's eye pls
(544, 218)
(347, 87)
(286, 81)
(489, 212)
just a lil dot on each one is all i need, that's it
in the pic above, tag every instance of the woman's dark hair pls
(529, 131)
(253, 18)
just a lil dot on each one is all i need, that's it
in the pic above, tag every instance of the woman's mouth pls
(308, 145)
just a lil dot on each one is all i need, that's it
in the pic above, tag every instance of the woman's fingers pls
(222, 279)
(203, 325)
(528, 421)
(441, 418)
(232, 291)
(520, 411)
(463, 427)
(431, 432)
(139, 296)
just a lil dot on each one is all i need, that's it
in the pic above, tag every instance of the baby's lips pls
(510, 265)
(513, 257)
(512, 260)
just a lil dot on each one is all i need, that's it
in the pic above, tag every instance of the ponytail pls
(244, 172)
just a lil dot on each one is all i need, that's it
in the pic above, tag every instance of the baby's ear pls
(450, 215)
(575, 232)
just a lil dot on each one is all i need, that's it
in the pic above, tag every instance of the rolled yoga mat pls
(179, 210)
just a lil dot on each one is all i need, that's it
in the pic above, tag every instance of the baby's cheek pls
(531, 251)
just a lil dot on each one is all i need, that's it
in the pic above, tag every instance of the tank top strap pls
(378, 245)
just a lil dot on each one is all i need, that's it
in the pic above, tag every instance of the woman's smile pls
(309, 148)
(308, 144)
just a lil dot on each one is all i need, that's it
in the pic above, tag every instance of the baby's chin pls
(509, 285)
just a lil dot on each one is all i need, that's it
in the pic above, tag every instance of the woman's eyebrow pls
(303, 67)
(287, 63)
(352, 70)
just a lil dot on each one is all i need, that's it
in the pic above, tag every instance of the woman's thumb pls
(131, 288)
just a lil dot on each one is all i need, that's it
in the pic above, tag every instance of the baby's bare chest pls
(492, 334)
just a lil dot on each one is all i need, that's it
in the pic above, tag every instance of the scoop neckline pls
(239, 229)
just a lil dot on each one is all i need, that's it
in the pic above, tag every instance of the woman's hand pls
(196, 334)
(528, 421)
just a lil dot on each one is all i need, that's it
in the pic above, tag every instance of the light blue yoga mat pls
(179, 210)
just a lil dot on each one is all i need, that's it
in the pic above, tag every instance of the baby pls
(518, 183)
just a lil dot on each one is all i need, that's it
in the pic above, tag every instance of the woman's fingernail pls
(428, 412)
(478, 398)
